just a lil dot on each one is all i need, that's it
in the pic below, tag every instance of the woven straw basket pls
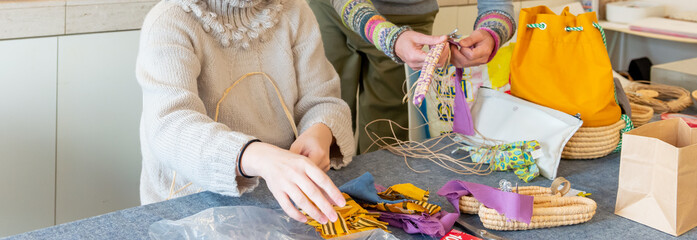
(470, 205)
(641, 114)
(550, 209)
(593, 142)
(547, 212)
(694, 94)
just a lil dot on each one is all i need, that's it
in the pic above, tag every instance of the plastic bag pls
(245, 222)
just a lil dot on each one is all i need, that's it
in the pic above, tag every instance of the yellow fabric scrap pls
(352, 219)
(404, 191)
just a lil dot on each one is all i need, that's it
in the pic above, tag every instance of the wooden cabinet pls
(27, 134)
(99, 105)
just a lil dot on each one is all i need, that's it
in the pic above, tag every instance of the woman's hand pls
(409, 48)
(474, 50)
(290, 176)
(314, 143)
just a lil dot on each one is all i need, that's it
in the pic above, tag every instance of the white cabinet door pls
(99, 106)
(27, 134)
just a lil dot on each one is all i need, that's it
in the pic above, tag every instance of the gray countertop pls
(598, 177)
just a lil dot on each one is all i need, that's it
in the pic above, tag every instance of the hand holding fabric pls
(474, 50)
(409, 48)
(293, 176)
(314, 144)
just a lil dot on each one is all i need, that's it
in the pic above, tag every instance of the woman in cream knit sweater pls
(190, 52)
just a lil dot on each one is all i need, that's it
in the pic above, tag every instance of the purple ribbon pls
(463, 118)
(512, 205)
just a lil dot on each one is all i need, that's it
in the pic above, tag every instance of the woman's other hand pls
(291, 176)
(474, 50)
(314, 143)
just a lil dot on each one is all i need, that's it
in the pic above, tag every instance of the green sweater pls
(405, 7)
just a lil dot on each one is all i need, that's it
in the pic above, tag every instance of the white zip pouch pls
(500, 117)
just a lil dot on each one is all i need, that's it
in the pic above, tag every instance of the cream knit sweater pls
(191, 51)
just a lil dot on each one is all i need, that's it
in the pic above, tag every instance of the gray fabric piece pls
(598, 177)
(622, 98)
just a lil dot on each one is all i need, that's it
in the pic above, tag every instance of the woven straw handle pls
(560, 181)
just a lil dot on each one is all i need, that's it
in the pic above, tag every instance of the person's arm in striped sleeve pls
(399, 43)
(494, 26)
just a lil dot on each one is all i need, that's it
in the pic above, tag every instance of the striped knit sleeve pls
(495, 17)
(361, 17)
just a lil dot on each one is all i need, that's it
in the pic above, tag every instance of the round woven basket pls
(641, 114)
(548, 211)
(662, 98)
(593, 142)
(470, 205)
(694, 94)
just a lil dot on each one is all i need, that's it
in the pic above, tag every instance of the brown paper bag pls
(658, 176)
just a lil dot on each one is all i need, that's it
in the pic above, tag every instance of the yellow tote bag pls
(560, 61)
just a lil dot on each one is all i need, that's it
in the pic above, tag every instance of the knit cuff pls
(497, 23)
(343, 149)
(223, 177)
(390, 41)
(497, 43)
(361, 17)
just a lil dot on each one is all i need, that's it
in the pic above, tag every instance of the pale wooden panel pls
(106, 17)
(32, 22)
(27, 134)
(446, 21)
(549, 3)
(99, 105)
(93, 2)
(14, 4)
(450, 3)
(465, 19)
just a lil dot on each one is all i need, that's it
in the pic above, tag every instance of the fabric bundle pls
(403, 205)
(517, 156)
(432, 225)
(352, 219)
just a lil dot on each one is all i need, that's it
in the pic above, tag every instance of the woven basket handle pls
(560, 181)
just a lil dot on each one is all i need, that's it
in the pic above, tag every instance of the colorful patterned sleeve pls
(361, 17)
(495, 17)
